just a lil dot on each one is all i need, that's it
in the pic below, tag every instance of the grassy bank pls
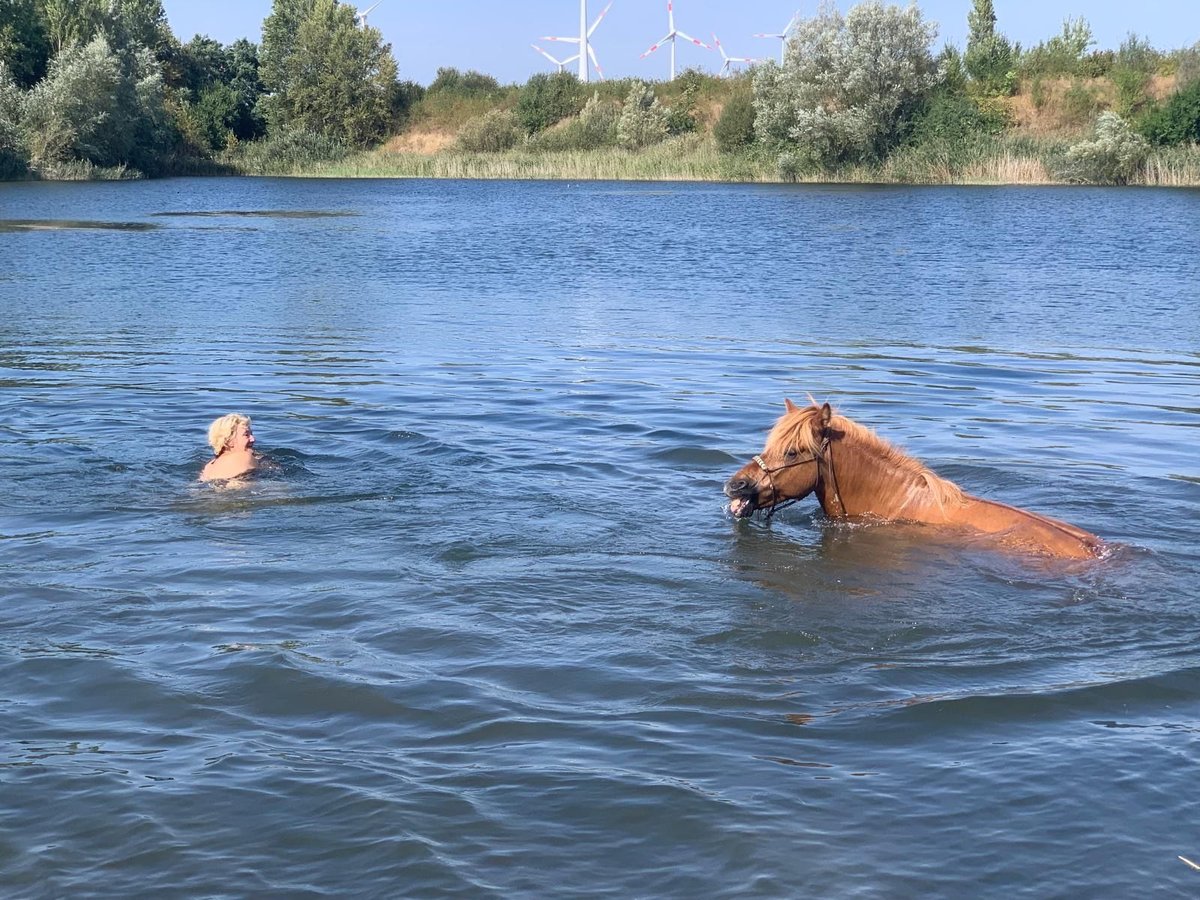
(1007, 159)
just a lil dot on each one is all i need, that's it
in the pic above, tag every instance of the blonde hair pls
(222, 429)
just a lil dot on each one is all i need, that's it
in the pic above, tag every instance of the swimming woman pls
(232, 441)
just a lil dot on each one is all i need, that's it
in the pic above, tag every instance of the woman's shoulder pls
(228, 465)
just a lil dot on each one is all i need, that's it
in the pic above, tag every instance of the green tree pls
(279, 33)
(735, 126)
(338, 79)
(24, 44)
(846, 84)
(1178, 120)
(1063, 54)
(1114, 156)
(643, 120)
(990, 58)
(65, 114)
(13, 161)
(546, 99)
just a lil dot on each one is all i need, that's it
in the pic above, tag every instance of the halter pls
(824, 455)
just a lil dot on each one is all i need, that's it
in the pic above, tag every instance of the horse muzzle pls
(743, 495)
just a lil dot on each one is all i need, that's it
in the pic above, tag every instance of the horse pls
(857, 475)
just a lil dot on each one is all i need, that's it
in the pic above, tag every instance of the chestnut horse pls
(854, 473)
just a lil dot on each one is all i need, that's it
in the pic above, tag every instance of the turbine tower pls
(672, 33)
(584, 41)
(783, 35)
(727, 65)
(360, 18)
(561, 63)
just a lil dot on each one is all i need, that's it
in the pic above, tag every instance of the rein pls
(824, 455)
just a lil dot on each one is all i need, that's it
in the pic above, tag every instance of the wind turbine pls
(673, 33)
(783, 35)
(584, 41)
(361, 17)
(561, 63)
(727, 65)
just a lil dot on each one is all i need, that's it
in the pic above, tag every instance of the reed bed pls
(999, 161)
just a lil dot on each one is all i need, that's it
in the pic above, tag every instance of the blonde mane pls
(795, 429)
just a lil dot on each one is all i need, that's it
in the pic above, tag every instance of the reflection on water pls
(490, 627)
(10, 225)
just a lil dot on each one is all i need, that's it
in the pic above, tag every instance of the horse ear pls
(826, 416)
(789, 405)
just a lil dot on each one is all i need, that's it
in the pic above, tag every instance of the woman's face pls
(241, 439)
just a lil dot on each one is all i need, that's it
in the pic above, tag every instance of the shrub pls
(494, 131)
(465, 84)
(593, 128)
(643, 121)
(64, 114)
(286, 152)
(13, 162)
(735, 126)
(845, 84)
(1114, 156)
(1080, 103)
(1063, 53)
(547, 99)
(1177, 121)
(681, 118)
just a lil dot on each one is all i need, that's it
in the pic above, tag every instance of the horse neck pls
(868, 480)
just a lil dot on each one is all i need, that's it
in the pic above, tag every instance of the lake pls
(487, 628)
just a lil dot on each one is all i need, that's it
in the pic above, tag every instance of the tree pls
(845, 84)
(24, 44)
(546, 99)
(1114, 156)
(12, 152)
(338, 79)
(643, 119)
(990, 58)
(64, 114)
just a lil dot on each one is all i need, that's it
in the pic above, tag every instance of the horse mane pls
(794, 429)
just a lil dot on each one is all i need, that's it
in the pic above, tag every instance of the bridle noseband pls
(823, 455)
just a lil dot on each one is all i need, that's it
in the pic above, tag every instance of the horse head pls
(788, 467)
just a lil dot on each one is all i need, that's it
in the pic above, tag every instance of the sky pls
(493, 37)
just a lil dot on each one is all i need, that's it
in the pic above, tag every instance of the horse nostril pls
(736, 486)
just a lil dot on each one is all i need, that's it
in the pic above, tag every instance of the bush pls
(464, 84)
(643, 121)
(13, 163)
(1177, 121)
(845, 84)
(735, 126)
(1080, 103)
(494, 131)
(547, 99)
(286, 152)
(64, 114)
(1114, 156)
(593, 128)
(1062, 54)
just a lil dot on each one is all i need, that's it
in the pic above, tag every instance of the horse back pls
(1022, 527)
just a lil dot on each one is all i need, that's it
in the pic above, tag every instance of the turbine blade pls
(654, 47)
(771, 35)
(571, 40)
(670, 15)
(693, 40)
(598, 18)
(545, 54)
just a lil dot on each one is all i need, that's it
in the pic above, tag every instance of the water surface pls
(488, 630)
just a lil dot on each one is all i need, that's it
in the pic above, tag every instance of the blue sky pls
(494, 37)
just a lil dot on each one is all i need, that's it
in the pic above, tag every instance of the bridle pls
(823, 455)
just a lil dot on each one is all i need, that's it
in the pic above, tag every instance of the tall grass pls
(996, 160)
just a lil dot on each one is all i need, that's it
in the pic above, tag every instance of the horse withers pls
(854, 473)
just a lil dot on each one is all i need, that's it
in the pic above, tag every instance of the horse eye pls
(791, 454)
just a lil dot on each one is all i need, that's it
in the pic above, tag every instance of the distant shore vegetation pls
(102, 89)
